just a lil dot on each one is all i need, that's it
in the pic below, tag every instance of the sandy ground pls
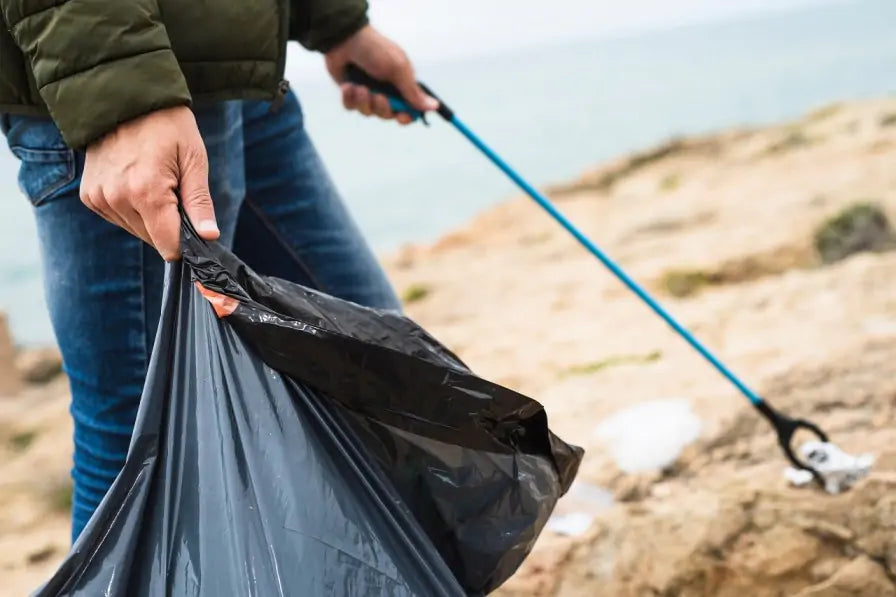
(524, 305)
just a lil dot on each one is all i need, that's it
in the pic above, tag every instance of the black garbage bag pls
(291, 443)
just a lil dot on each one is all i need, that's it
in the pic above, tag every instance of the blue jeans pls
(276, 207)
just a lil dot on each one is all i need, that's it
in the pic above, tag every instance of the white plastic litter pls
(650, 435)
(839, 470)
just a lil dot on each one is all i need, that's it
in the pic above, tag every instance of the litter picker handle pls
(355, 75)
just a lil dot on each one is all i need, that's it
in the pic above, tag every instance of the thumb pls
(195, 196)
(406, 82)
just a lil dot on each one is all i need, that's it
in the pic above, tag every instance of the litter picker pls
(828, 465)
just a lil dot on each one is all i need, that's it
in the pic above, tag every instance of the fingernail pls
(432, 104)
(208, 227)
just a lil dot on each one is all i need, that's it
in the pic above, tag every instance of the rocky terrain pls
(771, 244)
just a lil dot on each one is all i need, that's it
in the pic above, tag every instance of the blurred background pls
(556, 87)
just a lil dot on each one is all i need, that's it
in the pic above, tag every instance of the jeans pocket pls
(43, 172)
(47, 165)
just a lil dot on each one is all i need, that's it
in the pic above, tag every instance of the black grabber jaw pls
(817, 460)
(786, 427)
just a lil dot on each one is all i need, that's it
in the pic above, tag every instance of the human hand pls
(131, 176)
(382, 59)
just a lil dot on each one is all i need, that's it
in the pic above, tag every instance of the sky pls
(437, 30)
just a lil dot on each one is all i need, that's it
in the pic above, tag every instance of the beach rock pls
(860, 577)
(39, 365)
(9, 377)
(633, 488)
(737, 538)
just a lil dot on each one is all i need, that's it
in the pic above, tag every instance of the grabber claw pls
(820, 460)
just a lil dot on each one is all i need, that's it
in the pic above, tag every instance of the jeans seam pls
(286, 246)
(71, 173)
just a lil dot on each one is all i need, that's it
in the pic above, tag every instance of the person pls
(119, 110)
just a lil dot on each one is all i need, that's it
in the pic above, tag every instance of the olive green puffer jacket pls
(93, 64)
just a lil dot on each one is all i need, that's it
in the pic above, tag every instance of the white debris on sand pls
(650, 435)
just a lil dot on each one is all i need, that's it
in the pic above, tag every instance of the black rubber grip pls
(354, 74)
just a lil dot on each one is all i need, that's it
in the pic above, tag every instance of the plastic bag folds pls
(291, 443)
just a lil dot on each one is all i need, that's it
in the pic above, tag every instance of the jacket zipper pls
(279, 95)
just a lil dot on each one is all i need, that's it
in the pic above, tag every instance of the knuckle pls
(116, 200)
(195, 157)
(131, 193)
(197, 198)
(140, 186)
(400, 63)
(194, 154)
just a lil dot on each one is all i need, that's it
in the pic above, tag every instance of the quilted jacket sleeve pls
(97, 63)
(322, 24)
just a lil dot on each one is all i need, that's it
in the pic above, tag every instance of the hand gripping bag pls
(292, 443)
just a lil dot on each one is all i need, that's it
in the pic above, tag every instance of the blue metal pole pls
(549, 207)
(785, 427)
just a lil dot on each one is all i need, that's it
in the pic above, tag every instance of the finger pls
(194, 193)
(87, 200)
(404, 118)
(380, 105)
(406, 82)
(96, 201)
(363, 101)
(348, 96)
(162, 221)
(134, 223)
